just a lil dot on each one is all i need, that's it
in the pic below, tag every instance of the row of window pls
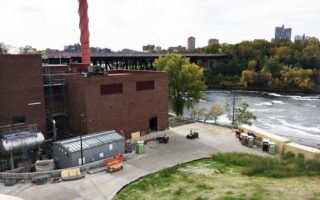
(118, 87)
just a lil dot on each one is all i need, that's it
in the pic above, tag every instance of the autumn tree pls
(243, 115)
(185, 81)
(216, 111)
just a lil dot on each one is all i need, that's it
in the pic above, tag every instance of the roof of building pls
(90, 141)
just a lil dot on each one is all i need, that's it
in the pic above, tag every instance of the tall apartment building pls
(191, 43)
(301, 37)
(213, 41)
(282, 33)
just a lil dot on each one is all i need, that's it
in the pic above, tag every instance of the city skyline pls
(131, 24)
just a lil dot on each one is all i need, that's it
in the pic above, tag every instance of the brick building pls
(125, 101)
(21, 91)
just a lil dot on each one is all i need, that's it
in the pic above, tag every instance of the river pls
(296, 117)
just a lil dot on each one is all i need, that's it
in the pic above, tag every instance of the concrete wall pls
(279, 141)
(125, 112)
(21, 84)
(308, 152)
(283, 145)
(53, 173)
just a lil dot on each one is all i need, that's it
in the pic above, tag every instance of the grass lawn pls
(231, 176)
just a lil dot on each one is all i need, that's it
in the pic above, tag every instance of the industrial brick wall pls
(127, 110)
(21, 90)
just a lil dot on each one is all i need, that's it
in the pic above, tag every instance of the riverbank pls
(290, 92)
(295, 117)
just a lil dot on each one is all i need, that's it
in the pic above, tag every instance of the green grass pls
(231, 176)
(288, 166)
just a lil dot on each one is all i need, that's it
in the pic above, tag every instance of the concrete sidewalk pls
(157, 156)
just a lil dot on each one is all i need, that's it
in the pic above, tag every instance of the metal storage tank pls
(96, 146)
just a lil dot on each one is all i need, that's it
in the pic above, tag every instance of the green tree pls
(272, 66)
(216, 111)
(185, 81)
(243, 115)
(297, 77)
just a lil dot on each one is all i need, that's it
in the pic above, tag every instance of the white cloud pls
(121, 24)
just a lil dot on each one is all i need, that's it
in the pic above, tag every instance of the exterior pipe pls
(54, 130)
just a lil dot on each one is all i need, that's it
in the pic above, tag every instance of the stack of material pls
(71, 174)
(135, 136)
(44, 165)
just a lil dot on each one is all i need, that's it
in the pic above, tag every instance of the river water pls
(296, 117)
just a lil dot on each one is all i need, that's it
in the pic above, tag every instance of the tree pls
(248, 78)
(297, 77)
(185, 81)
(243, 115)
(200, 112)
(216, 111)
(272, 66)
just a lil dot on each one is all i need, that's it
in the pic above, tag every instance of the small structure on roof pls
(96, 146)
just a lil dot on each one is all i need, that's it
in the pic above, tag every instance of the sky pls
(119, 24)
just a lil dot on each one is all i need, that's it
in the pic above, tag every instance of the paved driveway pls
(157, 156)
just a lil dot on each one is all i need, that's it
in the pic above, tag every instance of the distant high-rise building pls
(191, 43)
(282, 33)
(158, 49)
(72, 48)
(177, 49)
(148, 48)
(213, 41)
(301, 37)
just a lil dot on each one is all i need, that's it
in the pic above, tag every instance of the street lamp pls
(233, 107)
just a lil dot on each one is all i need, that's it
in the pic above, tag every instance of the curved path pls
(157, 156)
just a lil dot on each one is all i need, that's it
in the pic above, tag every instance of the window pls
(18, 120)
(144, 85)
(111, 89)
(84, 160)
(110, 146)
(101, 155)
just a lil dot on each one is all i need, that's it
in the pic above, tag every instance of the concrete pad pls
(103, 185)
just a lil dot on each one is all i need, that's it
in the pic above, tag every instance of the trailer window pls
(101, 155)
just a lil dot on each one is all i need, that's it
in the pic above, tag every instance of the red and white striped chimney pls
(84, 28)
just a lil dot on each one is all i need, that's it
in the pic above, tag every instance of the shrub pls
(288, 166)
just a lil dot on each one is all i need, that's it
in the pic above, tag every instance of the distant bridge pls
(130, 60)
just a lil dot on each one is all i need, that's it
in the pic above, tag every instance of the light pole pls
(233, 107)
(81, 149)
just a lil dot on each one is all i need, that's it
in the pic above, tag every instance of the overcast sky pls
(119, 24)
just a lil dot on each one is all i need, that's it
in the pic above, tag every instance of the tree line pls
(260, 64)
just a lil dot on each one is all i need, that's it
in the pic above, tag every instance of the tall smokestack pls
(84, 28)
